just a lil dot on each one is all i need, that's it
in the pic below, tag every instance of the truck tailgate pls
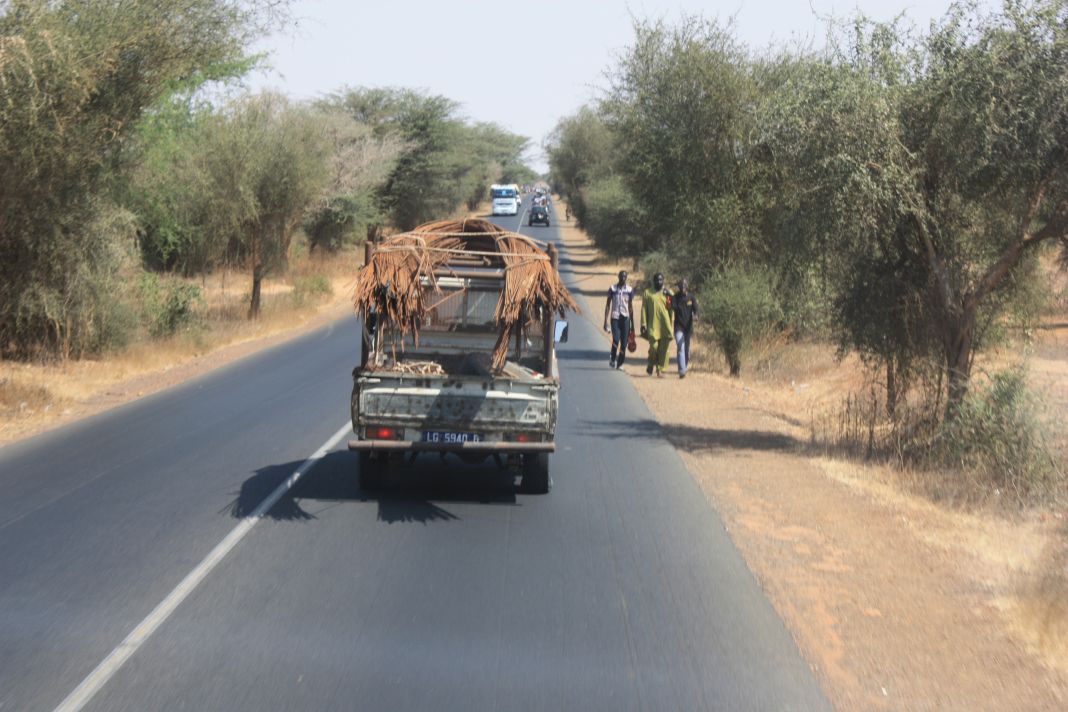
(456, 405)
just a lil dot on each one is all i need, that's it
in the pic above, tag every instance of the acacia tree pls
(445, 161)
(940, 160)
(75, 78)
(266, 163)
(359, 164)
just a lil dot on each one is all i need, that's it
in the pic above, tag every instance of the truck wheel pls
(372, 472)
(536, 473)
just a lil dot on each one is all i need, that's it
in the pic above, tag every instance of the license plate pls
(437, 436)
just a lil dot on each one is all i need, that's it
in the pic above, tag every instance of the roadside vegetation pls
(899, 195)
(144, 193)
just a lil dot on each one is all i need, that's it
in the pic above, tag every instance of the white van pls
(505, 199)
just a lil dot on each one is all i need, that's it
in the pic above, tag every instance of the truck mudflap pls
(502, 446)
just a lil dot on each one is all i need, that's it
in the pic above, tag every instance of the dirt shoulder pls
(895, 602)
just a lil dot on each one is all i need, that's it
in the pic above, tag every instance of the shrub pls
(341, 221)
(72, 300)
(997, 433)
(614, 219)
(741, 304)
(313, 286)
(650, 264)
(169, 306)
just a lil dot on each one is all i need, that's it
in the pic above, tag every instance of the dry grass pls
(19, 399)
(36, 396)
(1039, 608)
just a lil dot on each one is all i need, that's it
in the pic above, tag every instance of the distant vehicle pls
(506, 200)
(538, 214)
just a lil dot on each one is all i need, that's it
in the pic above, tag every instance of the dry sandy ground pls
(896, 603)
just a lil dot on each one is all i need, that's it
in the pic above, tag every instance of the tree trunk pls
(255, 246)
(959, 344)
(257, 281)
(891, 387)
(735, 364)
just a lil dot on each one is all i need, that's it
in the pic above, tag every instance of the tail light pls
(525, 438)
(383, 433)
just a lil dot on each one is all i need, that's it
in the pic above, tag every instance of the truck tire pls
(372, 472)
(536, 473)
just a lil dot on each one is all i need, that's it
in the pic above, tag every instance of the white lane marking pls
(126, 649)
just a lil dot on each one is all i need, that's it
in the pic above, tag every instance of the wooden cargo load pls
(438, 277)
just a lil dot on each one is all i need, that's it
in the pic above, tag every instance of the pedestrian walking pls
(618, 309)
(656, 325)
(684, 307)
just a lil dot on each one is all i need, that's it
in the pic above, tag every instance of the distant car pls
(538, 214)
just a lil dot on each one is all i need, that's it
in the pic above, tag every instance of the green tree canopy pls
(680, 103)
(75, 78)
(938, 160)
(263, 163)
(446, 161)
(581, 149)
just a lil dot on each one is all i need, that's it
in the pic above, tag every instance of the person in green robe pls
(657, 325)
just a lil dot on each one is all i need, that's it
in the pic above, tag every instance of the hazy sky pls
(522, 65)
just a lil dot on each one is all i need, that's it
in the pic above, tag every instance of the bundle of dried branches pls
(421, 368)
(396, 283)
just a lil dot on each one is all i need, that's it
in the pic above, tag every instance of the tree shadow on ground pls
(694, 439)
(796, 422)
(567, 261)
(411, 493)
(588, 291)
(582, 281)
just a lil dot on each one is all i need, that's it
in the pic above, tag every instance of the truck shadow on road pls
(418, 493)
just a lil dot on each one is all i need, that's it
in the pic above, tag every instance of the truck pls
(506, 199)
(456, 360)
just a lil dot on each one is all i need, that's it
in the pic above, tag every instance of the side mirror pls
(561, 332)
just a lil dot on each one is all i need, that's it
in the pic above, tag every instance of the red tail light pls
(523, 438)
(381, 433)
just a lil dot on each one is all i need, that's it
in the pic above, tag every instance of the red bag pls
(632, 345)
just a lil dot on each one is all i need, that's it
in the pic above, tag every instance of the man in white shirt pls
(619, 308)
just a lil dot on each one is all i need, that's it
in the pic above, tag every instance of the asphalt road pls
(446, 590)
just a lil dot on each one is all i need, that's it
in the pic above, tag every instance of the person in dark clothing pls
(620, 309)
(684, 305)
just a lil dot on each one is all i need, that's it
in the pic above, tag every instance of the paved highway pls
(446, 590)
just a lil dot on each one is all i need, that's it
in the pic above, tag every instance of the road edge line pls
(95, 681)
